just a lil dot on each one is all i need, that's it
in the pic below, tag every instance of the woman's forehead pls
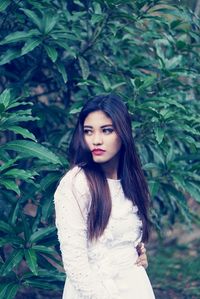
(98, 117)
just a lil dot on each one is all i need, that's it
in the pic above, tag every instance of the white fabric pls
(102, 269)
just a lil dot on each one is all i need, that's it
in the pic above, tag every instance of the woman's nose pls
(97, 139)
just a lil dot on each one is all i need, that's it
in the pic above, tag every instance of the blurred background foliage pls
(54, 55)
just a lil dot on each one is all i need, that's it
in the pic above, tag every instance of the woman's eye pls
(108, 130)
(87, 132)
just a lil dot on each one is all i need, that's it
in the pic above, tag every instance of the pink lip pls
(98, 152)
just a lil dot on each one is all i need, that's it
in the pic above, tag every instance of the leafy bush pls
(54, 55)
(25, 234)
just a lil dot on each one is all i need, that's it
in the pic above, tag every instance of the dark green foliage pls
(27, 231)
(54, 55)
(174, 270)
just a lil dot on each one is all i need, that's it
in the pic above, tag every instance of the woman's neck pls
(110, 168)
(111, 175)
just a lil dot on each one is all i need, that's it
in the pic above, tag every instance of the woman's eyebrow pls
(87, 126)
(104, 126)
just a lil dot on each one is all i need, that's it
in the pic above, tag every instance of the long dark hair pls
(130, 172)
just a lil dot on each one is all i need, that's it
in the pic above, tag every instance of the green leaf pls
(50, 275)
(8, 164)
(84, 67)
(44, 249)
(4, 4)
(24, 132)
(30, 45)
(75, 110)
(10, 185)
(12, 291)
(179, 180)
(151, 166)
(62, 71)
(193, 190)
(31, 260)
(117, 85)
(13, 260)
(26, 227)
(21, 112)
(42, 285)
(62, 44)
(33, 17)
(5, 98)
(49, 22)
(20, 173)
(170, 154)
(162, 8)
(175, 23)
(47, 207)
(5, 227)
(48, 180)
(3, 289)
(14, 240)
(20, 103)
(13, 218)
(45, 263)
(105, 82)
(18, 36)
(157, 155)
(15, 119)
(154, 187)
(189, 129)
(51, 52)
(147, 82)
(41, 234)
(8, 290)
(2, 108)
(159, 133)
(52, 258)
(31, 149)
(173, 62)
(9, 56)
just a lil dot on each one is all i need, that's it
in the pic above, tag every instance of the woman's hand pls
(142, 258)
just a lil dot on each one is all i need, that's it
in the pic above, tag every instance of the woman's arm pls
(71, 206)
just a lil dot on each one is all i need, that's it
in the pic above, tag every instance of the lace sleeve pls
(71, 206)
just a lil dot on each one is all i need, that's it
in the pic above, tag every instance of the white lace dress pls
(103, 269)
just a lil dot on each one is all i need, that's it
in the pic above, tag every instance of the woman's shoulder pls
(72, 191)
(74, 174)
(74, 178)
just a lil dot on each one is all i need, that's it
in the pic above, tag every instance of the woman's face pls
(100, 137)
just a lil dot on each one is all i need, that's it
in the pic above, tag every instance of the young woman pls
(101, 207)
